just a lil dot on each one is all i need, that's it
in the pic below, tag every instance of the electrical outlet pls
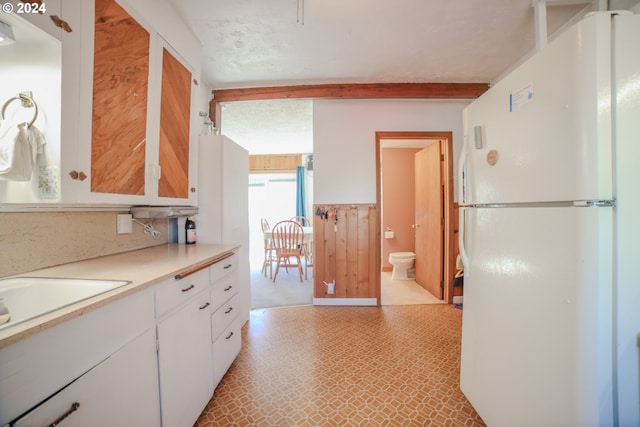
(125, 223)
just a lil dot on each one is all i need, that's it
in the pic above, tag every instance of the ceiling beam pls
(349, 91)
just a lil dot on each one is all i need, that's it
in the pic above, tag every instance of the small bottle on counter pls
(190, 231)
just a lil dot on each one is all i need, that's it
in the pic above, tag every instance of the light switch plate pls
(125, 223)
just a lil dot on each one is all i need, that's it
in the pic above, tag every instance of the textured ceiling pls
(248, 43)
(252, 43)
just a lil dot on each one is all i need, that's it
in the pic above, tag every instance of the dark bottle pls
(190, 231)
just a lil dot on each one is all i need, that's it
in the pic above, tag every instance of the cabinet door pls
(121, 391)
(175, 112)
(185, 362)
(225, 349)
(120, 85)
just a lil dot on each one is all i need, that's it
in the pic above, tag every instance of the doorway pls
(433, 232)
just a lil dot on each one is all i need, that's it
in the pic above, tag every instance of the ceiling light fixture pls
(6, 34)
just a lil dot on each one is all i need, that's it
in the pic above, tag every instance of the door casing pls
(447, 182)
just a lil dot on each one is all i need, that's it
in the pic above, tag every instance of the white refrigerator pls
(223, 204)
(549, 237)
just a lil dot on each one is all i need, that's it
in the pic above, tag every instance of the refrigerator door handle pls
(462, 185)
(461, 237)
(595, 203)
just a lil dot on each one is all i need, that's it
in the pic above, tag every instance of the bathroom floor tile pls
(345, 366)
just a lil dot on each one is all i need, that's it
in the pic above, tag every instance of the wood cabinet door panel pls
(120, 74)
(175, 108)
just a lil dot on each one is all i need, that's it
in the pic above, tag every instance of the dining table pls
(308, 234)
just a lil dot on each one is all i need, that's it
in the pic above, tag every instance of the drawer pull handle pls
(188, 288)
(202, 307)
(228, 311)
(74, 407)
(228, 336)
(228, 266)
(228, 288)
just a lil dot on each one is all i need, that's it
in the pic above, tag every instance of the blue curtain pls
(300, 193)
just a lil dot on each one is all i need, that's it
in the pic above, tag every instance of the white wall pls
(344, 141)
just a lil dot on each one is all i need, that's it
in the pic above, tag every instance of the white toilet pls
(402, 263)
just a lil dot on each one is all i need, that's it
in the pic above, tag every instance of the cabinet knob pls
(61, 23)
(193, 189)
(78, 175)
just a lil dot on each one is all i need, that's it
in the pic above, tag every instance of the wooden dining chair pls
(269, 254)
(308, 255)
(308, 258)
(287, 238)
(302, 220)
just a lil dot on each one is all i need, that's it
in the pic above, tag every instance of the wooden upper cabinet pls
(175, 108)
(120, 86)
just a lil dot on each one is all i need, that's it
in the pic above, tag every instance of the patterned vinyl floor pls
(345, 366)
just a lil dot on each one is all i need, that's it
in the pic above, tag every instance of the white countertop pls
(143, 268)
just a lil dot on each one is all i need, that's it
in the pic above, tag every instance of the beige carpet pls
(286, 291)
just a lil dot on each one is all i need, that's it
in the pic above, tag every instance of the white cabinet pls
(36, 368)
(132, 148)
(184, 349)
(139, 145)
(223, 202)
(226, 322)
(116, 392)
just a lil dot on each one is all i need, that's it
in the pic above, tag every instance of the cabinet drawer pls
(223, 317)
(36, 367)
(223, 290)
(225, 350)
(120, 391)
(224, 267)
(174, 292)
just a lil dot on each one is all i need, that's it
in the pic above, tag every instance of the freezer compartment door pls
(543, 133)
(536, 332)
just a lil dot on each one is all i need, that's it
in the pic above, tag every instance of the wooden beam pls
(349, 91)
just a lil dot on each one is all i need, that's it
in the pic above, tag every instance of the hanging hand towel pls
(19, 151)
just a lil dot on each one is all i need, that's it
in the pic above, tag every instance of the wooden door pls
(429, 219)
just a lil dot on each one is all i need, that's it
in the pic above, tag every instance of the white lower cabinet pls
(120, 391)
(226, 324)
(150, 359)
(185, 362)
(226, 349)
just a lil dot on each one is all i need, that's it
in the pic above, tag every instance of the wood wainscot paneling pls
(344, 239)
(274, 163)
(120, 81)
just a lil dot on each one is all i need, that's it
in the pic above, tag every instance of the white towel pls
(19, 149)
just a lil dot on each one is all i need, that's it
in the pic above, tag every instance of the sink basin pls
(29, 297)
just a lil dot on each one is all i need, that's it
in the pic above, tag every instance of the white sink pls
(30, 297)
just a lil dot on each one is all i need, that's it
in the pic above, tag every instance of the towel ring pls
(27, 101)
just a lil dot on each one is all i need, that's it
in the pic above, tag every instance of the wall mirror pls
(30, 64)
